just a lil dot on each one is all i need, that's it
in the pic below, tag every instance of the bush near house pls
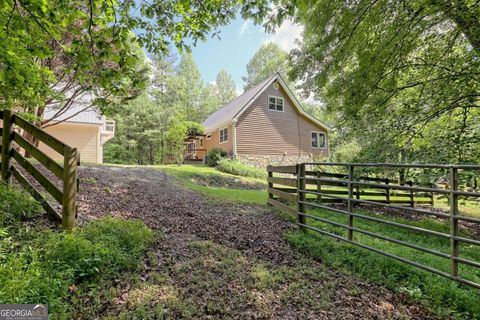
(41, 264)
(239, 169)
(215, 155)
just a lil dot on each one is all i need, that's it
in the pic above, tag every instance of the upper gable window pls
(318, 140)
(275, 103)
(223, 135)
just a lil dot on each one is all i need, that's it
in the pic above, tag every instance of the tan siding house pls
(266, 125)
(212, 139)
(86, 130)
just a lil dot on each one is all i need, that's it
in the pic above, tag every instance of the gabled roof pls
(232, 110)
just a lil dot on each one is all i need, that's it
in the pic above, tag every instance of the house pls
(84, 128)
(265, 125)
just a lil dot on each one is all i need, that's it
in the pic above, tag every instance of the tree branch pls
(7, 25)
(90, 23)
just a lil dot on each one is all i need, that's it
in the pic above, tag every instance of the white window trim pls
(318, 133)
(276, 97)
(219, 135)
(209, 136)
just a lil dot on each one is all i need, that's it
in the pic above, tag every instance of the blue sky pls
(237, 44)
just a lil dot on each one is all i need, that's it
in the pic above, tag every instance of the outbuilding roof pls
(232, 110)
(81, 111)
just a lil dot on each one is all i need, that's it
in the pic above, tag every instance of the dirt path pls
(224, 261)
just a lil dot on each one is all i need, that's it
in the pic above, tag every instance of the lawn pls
(71, 272)
(187, 176)
(441, 294)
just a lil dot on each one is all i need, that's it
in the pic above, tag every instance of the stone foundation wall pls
(262, 161)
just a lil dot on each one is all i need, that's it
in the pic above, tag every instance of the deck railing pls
(109, 126)
(12, 160)
(305, 186)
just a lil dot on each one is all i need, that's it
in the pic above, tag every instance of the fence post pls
(453, 221)
(319, 187)
(7, 143)
(387, 191)
(69, 188)
(350, 202)
(270, 184)
(301, 196)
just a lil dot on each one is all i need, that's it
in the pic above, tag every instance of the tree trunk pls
(401, 174)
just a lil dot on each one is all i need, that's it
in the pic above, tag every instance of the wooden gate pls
(12, 160)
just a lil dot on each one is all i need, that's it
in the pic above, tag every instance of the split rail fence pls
(12, 160)
(305, 185)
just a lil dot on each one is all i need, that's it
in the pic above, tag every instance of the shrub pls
(105, 246)
(239, 169)
(15, 205)
(44, 267)
(215, 155)
(125, 241)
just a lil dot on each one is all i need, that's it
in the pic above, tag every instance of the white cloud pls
(286, 34)
(244, 28)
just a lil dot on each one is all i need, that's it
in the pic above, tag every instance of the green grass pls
(441, 294)
(468, 207)
(70, 272)
(186, 174)
(239, 169)
(465, 207)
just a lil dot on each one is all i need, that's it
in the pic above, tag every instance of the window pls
(201, 142)
(223, 135)
(209, 136)
(275, 103)
(318, 140)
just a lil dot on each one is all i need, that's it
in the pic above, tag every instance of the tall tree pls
(395, 73)
(140, 125)
(189, 89)
(163, 68)
(78, 47)
(270, 58)
(226, 89)
(210, 100)
(49, 43)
